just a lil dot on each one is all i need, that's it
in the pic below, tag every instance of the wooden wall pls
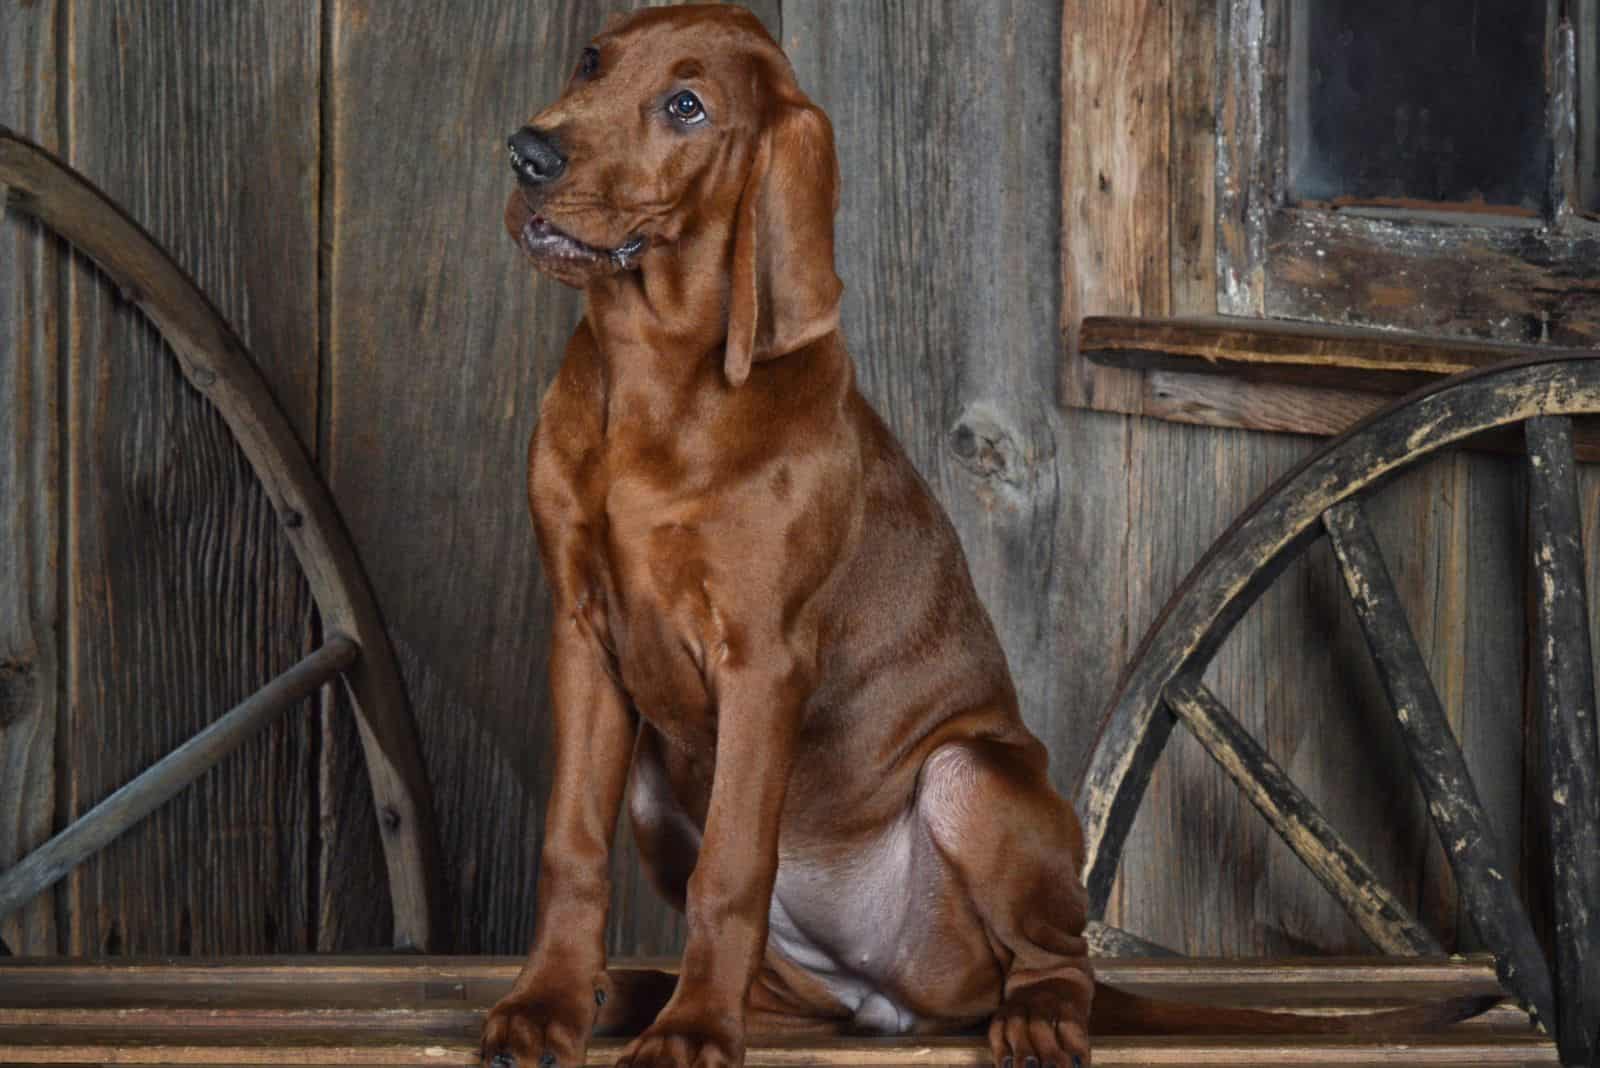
(332, 172)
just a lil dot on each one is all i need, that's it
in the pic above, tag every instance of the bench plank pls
(1443, 1049)
(428, 1010)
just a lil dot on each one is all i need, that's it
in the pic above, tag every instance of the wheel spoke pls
(1565, 677)
(164, 779)
(1440, 768)
(1298, 822)
(1107, 941)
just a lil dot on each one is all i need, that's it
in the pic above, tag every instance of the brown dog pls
(759, 605)
(760, 608)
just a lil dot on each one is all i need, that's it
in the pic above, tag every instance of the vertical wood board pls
(30, 482)
(1116, 142)
(183, 597)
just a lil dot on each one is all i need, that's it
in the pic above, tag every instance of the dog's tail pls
(1117, 1012)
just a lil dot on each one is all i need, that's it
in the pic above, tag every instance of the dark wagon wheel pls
(355, 646)
(1322, 496)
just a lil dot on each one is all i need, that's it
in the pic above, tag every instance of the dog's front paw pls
(528, 1030)
(1043, 1025)
(682, 1041)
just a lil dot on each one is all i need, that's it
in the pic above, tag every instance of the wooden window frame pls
(1496, 277)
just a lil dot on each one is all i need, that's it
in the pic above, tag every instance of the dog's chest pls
(650, 602)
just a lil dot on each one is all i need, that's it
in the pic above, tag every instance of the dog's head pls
(681, 126)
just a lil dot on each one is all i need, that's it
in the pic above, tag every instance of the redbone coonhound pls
(765, 631)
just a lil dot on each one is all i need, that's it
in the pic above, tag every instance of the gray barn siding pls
(331, 171)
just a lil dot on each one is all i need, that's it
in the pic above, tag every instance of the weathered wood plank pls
(1298, 822)
(31, 477)
(328, 1010)
(1192, 231)
(285, 1025)
(1194, 812)
(1211, 400)
(374, 982)
(1292, 353)
(1503, 282)
(1478, 653)
(1116, 145)
(1431, 1050)
(1479, 863)
(1250, 37)
(183, 596)
(1565, 685)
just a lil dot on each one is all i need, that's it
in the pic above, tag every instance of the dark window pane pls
(1429, 100)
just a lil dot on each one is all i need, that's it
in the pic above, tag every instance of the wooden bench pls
(427, 1010)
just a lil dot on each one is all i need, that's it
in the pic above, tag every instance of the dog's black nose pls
(534, 156)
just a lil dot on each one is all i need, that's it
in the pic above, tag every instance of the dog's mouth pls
(553, 248)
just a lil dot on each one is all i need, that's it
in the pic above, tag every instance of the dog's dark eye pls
(589, 62)
(685, 107)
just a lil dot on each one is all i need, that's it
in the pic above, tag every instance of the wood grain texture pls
(399, 1045)
(391, 980)
(428, 1010)
(1207, 400)
(1502, 282)
(1116, 145)
(1192, 229)
(183, 597)
(1304, 353)
(31, 479)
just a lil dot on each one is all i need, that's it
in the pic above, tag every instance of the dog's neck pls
(665, 324)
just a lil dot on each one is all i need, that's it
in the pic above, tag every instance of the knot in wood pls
(16, 689)
(988, 448)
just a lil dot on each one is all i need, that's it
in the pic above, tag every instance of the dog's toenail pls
(1077, 1062)
(547, 1060)
(503, 1060)
(599, 997)
(1031, 1062)
(1008, 1062)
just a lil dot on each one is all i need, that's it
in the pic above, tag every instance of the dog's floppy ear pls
(784, 290)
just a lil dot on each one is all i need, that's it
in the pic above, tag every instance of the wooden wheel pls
(1322, 496)
(355, 645)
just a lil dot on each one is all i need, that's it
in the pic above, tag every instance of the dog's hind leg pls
(1016, 847)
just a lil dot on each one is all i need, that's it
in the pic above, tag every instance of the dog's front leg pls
(702, 1026)
(544, 1022)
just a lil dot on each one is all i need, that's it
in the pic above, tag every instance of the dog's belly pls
(854, 916)
(846, 917)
